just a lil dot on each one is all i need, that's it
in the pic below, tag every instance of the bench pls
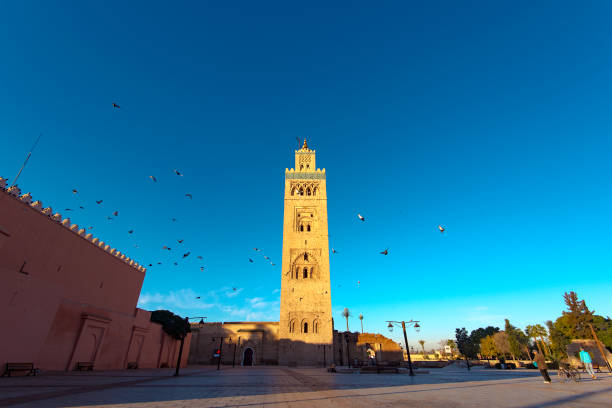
(80, 366)
(10, 367)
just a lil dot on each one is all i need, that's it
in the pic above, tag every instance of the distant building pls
(68, 297)
(305, 333)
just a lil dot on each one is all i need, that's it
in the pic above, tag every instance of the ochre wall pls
(262, 337)
(65, 298)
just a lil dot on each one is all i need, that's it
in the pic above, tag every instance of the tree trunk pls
(347, 329)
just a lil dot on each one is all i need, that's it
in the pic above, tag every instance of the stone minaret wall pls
(305, 327)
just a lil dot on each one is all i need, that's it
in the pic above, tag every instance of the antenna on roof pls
(26, 160)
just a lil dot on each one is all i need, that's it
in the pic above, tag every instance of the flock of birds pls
(115, 214)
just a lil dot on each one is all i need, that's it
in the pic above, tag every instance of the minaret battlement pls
(37, 205)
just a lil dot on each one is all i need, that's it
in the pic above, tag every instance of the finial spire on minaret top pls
(305, 144)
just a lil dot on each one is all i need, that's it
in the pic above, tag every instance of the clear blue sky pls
(490, 118)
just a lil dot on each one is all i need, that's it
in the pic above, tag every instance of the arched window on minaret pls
(308, 227)
(308, 192)
(301, 228)
(305, 273)
(301, 191)
(301, 167)
(315, 326)
(292, 326)
(305, 327)
(305, 256)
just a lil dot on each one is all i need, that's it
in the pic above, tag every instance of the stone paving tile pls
(297, 387)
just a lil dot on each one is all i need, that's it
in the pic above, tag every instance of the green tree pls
(422, 343)
(465, 344)
(517, 340)
(577, 317)
(346, 313)
(558, 340)
(501, 344)
(172, 324)
(538, 332)
(487, 347)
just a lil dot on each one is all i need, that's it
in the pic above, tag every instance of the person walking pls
(541, 362)
(585, 357)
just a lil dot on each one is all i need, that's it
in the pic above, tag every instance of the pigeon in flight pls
(334, 251)
(257, 249)
(159, 263)
(441, 228)
(74, 191)
(272, 263)
(178, 173)
(250, 260)
(68, 209)
(385, 252)
(186, 255)
(202, 268)
(197, 297)
(90, 228)
(99, 201)
(189, 196)
(153, 178)
(175, 264)
(174, 220)
(116, 106)
(165, 247)
(109, 218)
(200, 257)
(116, 213)
(180, 241)
(265, 257)
(361, 217)
(150, 264)
(81, 207)
(234, 289)
(130, 231)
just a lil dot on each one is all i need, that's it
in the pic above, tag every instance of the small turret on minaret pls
(305, 159)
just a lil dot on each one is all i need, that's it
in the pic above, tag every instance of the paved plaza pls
(300, 387)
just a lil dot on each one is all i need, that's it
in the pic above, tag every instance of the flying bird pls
(189, 196)
(385, 252)
(81, 207)
(175, 264)
(361, 217)
(178, 173)
(180, 241)
(116, 213)
(159, 263)
(130, 231)
(334, 251)
(99, 201)
(272, 263)
(265, 257)
(200, 257)
(197, 297)
(165, 247)
(109, 218)
(257, 249)
(186, 255)
(68, 209)
(153, 178)
(174, 220)
(116, 106)
(74, 191)
(234, 289)
(441, 228)
(150, 264)
(201, 268)
(250, 260)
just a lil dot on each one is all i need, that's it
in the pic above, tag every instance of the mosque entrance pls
(248, 357)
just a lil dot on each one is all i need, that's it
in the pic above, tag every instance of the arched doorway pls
(248, 357)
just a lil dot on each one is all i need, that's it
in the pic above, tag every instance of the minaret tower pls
(306, 330)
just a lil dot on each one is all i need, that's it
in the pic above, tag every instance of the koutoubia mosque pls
(70, 299)
(304, 334)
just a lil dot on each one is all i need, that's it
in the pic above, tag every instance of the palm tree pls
(422, 343)
(361, 318)
(537, 332)
(346, 315)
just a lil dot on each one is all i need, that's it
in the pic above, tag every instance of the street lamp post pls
(234, 359)
(180, 355)
(417, 327)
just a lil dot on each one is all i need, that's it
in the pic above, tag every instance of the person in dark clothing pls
(541, 362)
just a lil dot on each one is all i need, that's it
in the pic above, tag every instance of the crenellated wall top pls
(37, 205)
